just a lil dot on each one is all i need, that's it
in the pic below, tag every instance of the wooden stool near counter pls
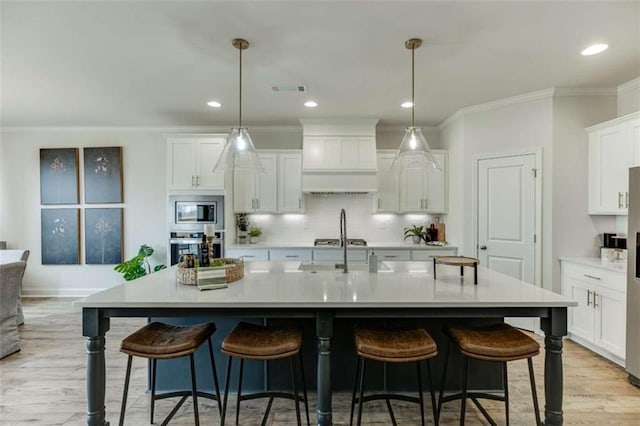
(495, 343)
(393, 346)
(157, 341)
(264, 343)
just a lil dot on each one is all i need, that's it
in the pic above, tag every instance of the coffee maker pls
(614, 247)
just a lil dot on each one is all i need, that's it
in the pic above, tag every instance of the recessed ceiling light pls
(214, 104)
(594, 49)
(406, 104)
(311, 104)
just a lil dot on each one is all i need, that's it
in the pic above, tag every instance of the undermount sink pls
(337, 267)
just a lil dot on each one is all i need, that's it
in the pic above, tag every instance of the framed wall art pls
(103, 236)
(59, 176)
(103, 175)
(60, 236)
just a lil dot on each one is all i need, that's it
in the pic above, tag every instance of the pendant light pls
(239, 153)
(414, 151)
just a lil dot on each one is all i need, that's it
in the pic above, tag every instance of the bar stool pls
(264, 343)
(495, 343)
(157, 341)
(395, 346)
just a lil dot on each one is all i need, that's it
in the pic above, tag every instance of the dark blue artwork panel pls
(59, 176)
(60, 236)
(103, 175)
(103, 236)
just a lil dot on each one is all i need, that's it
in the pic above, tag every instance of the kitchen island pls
(283, 290)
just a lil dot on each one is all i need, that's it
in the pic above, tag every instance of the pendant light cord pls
(240, 103)
(413, 83)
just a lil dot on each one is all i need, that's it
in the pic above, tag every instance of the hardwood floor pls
(44, 384)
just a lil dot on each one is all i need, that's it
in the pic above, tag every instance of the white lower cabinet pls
(599, 320)
(248, 254)
(430, 254)
(292, 255)
(337, 255)
(393, 254)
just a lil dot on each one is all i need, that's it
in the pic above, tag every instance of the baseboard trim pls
(605, 354)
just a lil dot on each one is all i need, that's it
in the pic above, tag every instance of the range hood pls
(339, 156)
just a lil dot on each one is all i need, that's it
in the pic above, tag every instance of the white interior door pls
(507, 219)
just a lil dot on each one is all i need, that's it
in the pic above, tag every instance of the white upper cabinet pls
(614, 146)
(290, 197)
(387, 200)
(346, 153)
(191, 159)
(256, 193)
(425, 191)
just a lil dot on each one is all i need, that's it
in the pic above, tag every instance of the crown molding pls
(150, 129)
(527, 97)
(402, 128)
(629, 85)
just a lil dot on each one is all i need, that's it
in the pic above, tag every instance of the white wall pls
(452, 139)
(629, 97)
(575, 232)
(145, 206)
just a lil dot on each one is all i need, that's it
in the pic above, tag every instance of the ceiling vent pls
(297, 89)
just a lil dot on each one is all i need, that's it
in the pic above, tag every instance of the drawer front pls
(430, 254)
(595, 276)
(293, 255)
(337, 256)
(248, 255)
(393, 254)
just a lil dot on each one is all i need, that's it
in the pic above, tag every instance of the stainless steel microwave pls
(192, 213)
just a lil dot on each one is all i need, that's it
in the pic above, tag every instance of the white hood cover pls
(339, 156)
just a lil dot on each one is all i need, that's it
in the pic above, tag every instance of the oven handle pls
(192, 241)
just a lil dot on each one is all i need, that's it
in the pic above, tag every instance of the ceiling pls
(151, 63)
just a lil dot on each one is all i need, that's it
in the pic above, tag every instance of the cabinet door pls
(610, 154)
(633, 132)
(388, 198)
(428, 254)
(248, 255)
(413, 188)
(290, 197)
(314, 153)
(267, 184)
(244, 190)
(581, 318)
(436, 199)
(393, 255)
(610, 324)
(181, 153)
(293, 255)
(208, 151)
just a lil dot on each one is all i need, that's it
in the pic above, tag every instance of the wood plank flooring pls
(44, 384)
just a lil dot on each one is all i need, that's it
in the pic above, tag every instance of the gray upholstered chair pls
(10, 278)
(8, 256)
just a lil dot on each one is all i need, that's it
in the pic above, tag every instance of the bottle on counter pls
(204, 252)
(373, 262)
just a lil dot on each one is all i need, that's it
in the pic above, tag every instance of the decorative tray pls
(232, 270)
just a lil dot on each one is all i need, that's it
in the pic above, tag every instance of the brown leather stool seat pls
(395, 346)
(496, 343)
(264, 343)
(156, 341)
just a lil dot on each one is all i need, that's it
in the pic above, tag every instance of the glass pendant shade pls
(414, 152)
(239, 153)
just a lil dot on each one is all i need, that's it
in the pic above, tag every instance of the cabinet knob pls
(483, 247)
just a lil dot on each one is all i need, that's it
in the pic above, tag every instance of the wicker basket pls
(234, 271)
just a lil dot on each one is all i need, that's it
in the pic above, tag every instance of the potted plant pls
(254, 234)
(242, 222)
(417, 233)
(138, 266)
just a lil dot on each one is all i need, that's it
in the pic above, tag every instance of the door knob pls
(483, 247)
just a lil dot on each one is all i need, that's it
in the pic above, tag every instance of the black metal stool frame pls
(268, 394)
(184, 394)
(359, 379)
(464, 394)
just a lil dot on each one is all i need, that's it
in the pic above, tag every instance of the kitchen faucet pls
(343, 237)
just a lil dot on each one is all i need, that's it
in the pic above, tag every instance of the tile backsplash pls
(321, 220)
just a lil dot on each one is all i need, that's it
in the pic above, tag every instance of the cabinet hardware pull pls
(253, 203)
(592, 277)
(299, 203)
(627, 200)
(258, 202)
(378, 202)
(193, 180)
(292, 256)
(619, 200)
(588, 297)
(595, 300)
(197, 180)
(425, 203)
(390, 256)
(245, 255)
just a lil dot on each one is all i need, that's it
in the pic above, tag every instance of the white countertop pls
(596, 262)
(384, 245)
(282, 285)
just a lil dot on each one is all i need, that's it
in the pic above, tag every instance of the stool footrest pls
(474, 397)
(388, 396)
(186, 394)
(271, 394)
